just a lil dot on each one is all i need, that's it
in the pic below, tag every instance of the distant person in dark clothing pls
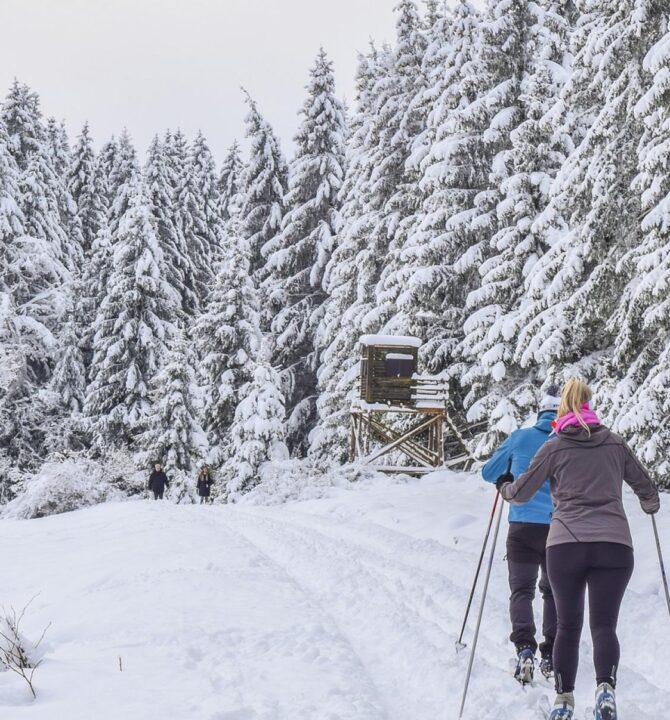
(158, 481)
(205, 482)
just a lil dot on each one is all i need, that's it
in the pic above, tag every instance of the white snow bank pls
(340, 608)
(63, 486)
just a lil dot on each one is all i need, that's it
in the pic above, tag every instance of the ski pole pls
(481, 612)
(459, 643)
(660, 560)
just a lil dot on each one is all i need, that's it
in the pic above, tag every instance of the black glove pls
(503, 480)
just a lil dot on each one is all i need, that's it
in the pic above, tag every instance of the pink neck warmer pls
(571, 420)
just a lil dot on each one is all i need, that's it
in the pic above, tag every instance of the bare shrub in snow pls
(16, 652)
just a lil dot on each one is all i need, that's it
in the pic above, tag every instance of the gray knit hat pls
(551, 399)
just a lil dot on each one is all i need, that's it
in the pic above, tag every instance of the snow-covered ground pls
(342, 608)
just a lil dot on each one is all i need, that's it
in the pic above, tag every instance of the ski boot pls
(525, 665)
(564, 707)
(547, 666)
(605, 703)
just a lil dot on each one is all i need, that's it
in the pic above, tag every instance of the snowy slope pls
(344, 608)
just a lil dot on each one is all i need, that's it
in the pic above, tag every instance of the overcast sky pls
(153, 64)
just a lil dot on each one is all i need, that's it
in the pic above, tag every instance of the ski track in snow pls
(345, 608)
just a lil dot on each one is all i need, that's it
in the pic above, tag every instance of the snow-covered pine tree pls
(177, 261)
(107, 161)
(534, 39)
(131, 328)
(637, 397)
(15, 387)
(22, 118)
(230, 179)
(69, 375)
(37, 274)
(61, 158)
(433, 299)
(88, 189)
(19, 441)
(172, 425)
(190, 217)
(297, 257)
(98, 259)
(592, 217)
(11, 217)
(351, 273)
(258, 429)
(404, 117)
(207, 193)
(121, 180)
(228, 338)
(264, 183)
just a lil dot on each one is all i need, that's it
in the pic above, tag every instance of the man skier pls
(158, 481)
(526, 542)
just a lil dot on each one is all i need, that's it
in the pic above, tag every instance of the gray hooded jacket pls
(586, 473)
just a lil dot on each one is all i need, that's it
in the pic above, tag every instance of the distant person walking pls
(158, 481)
(204, 485)
(589, 543)
(526, 542)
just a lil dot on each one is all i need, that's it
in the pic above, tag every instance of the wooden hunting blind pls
(387, 367)
(391, 392)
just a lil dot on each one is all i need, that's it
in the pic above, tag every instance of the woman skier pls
(589, 543)
(527, 541)
(204, 485)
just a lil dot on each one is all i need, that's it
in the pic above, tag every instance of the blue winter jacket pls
(522, 445)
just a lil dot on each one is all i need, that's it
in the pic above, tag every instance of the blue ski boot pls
(605, 703)
(564, 707)
(525, 666)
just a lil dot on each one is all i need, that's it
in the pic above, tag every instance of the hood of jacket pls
(544, 421)
(579, 436)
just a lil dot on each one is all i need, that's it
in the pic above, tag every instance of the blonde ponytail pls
(575, 394)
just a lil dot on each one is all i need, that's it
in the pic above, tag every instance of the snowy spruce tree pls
(176, 258)
(403, 121)
(87, 189)
(297, 257)
(592, 217)
(69, 376)
(433, 297)
(123, 173)
(264, 186)
(349, 278)
(132, 327)
(637, 397)
(37, 275)
(60, 155)
(207, 193)
(228, 339)
(191, 216)
(258, 429)
(528, 158)
(230, 180)
(11, 217)
(172, 426)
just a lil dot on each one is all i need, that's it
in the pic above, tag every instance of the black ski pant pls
(158, 494)
(605, 568)
(526, 558)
